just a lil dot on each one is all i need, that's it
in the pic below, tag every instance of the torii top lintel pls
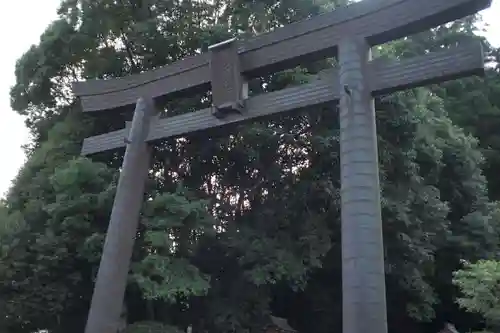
(378, 21)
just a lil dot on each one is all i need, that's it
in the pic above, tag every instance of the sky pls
(22, 31)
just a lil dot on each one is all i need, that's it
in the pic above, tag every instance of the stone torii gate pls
(348, 33)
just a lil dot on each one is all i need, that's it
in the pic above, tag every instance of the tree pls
(479, 284)
(472, 104)
(239, 223)
(46, 268)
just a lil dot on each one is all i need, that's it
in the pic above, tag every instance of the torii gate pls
(348, 32)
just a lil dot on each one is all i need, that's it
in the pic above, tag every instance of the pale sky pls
(22, 22)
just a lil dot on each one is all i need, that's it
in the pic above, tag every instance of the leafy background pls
(244, 222)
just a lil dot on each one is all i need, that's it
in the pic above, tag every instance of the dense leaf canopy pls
(240, 223)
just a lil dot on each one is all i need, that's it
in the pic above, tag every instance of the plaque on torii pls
(349, 33)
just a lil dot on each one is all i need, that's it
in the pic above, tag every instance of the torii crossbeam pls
(348, 33)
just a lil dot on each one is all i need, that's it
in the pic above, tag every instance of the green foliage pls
(42, 272)
(480, 287)
(238, 224)
(151, 327)
(175, 224)
(10, 223)
(177, 278)
(61, 201)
